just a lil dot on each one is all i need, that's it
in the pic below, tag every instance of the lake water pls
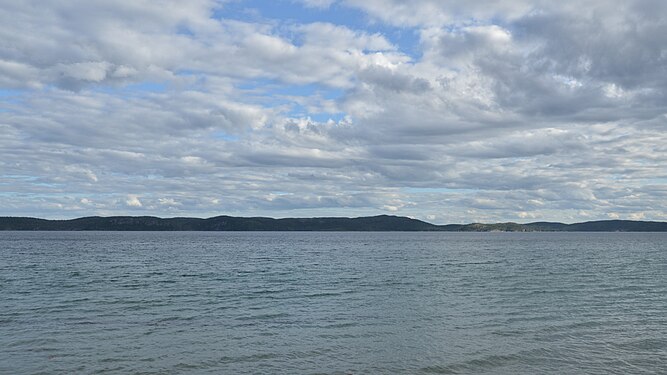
(333, 303)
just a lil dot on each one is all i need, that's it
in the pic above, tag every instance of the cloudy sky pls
(446, 111)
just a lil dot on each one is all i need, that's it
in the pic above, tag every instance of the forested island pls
(370, 223)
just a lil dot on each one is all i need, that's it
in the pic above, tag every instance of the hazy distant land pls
(371, 223)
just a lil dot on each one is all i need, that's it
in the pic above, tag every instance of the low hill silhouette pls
(369, 223)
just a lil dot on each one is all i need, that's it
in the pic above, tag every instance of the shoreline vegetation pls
(358, 224)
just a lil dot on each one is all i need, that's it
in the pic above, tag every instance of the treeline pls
(371, 223)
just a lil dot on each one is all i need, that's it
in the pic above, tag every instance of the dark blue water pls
(333, 303)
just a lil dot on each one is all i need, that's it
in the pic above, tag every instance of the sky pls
(445, 111)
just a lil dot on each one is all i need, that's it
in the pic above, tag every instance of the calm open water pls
(333, 303)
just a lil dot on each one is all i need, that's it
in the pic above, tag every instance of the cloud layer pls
(446, 111)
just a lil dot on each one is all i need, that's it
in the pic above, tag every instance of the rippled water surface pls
(333, 303)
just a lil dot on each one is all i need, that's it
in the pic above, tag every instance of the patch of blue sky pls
(133, 89)
(291, 12)
(287, 11)
(5, 104)
(225, 136)
(325, 117)
(155, 87)
(272, 87)
(407, 41)
(299, 111)
(184, 30)
(9, 98)
(9, 93)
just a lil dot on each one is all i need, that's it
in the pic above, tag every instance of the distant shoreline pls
(386, 223)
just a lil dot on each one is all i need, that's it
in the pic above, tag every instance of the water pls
(333, 303)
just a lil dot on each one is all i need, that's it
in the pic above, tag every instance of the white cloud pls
(133, 201)
(168, 202)
(526, 215)
(637, 216)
